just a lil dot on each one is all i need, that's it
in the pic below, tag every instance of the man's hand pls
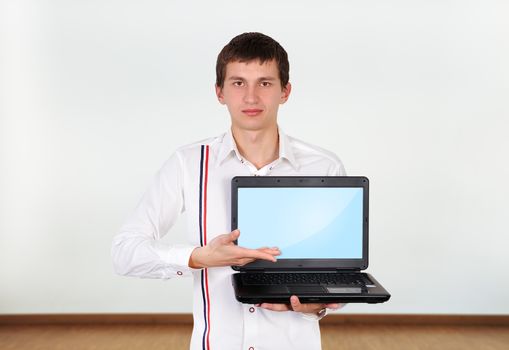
(221, 251)
(295, 305)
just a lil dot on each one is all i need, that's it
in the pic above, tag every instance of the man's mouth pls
(252, 112)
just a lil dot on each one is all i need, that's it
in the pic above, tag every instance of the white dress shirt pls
(197, 179)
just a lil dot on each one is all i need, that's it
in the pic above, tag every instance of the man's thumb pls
(234, 235)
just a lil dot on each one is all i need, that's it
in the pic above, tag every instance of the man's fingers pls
(271, 251)
(234, 235)
(221, 251)
(225, 239)
(296, 305)
(334, 306)
(295, 302)
(256, 254)
(311, 308)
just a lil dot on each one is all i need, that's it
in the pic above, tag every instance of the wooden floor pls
(414, 337)
(174, 337)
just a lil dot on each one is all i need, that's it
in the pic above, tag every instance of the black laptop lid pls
(319, 223)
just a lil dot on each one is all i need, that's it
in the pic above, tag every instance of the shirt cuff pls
(177, 258)
(314, 316)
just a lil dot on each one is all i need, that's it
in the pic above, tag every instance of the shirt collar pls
(286, 149)
(229, 147)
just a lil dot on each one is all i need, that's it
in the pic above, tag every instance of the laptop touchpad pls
(306, 289)
(345, 290)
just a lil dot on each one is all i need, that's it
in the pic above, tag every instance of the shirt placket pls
(251, 330)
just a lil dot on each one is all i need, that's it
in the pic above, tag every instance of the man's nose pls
(251, 95)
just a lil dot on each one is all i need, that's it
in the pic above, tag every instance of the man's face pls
(252, 92)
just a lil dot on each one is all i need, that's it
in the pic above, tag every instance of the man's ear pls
(219, 94)
(285, 93)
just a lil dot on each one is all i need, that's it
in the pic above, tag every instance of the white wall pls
(95, 95)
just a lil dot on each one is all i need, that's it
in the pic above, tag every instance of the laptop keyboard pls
(355, 279)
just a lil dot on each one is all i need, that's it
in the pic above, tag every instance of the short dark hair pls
(249, 47)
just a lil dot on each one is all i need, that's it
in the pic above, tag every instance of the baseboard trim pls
(392, 319)
(96, 319)
(418, 319)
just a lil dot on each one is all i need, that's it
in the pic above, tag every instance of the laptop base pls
(310, 293)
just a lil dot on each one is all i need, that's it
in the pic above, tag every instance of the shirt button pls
(251, 309)
(179, 273)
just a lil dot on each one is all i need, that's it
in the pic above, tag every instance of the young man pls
(252, 81)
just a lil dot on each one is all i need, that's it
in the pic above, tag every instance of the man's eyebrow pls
(235, 78)
(259, 79)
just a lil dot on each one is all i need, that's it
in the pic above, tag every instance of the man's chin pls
(253, 125)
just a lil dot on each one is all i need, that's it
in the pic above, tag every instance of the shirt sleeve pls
(337, 168)
(137, 250)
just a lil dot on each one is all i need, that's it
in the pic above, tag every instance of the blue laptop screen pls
(303, 222)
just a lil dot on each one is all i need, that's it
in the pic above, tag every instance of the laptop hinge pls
(252, 270)
(348, 270)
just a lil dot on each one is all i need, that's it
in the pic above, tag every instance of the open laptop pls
(320, 224)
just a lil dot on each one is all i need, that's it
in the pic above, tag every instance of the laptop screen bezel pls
(304, 181)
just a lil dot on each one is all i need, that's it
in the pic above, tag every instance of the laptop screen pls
(303, 222)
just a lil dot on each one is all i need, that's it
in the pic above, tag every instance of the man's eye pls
(265, 83)
(237, 83)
